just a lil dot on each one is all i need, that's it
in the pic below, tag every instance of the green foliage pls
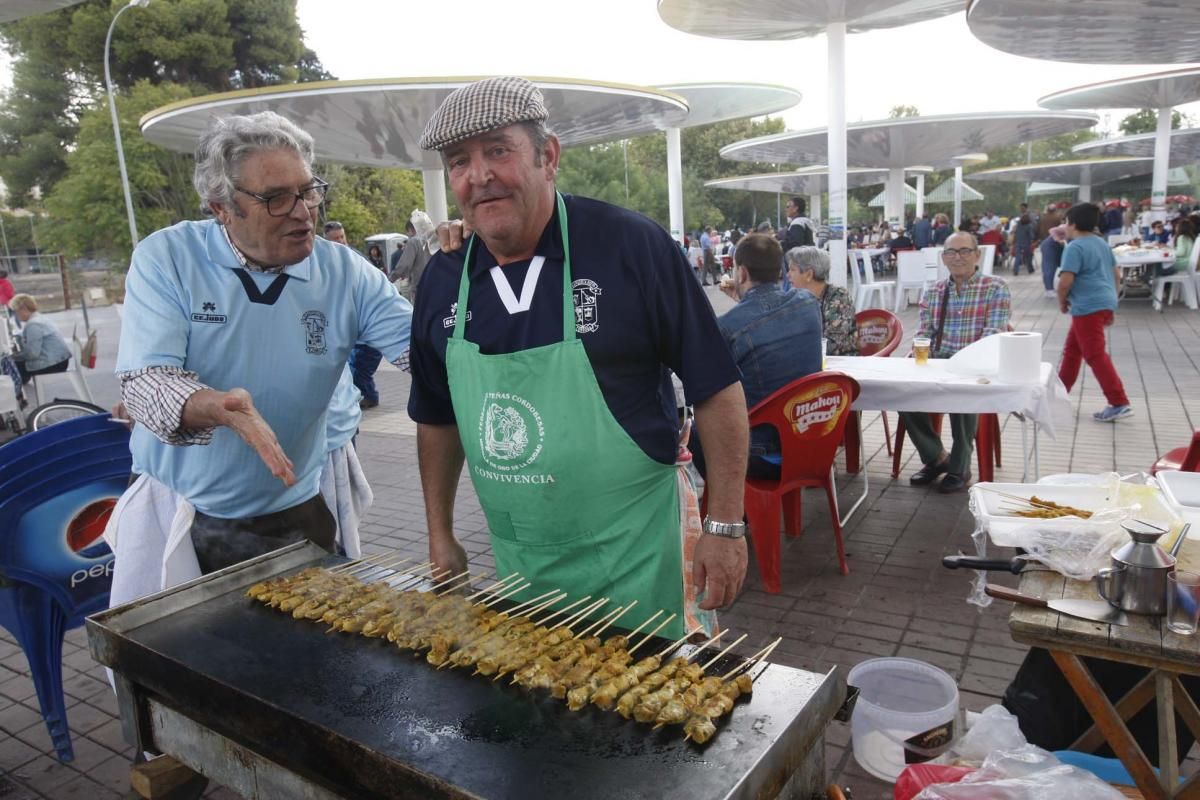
(903, 111)
(369, 201)
(1146, 121)
(87, 206)
(58, 68)
(599, 171)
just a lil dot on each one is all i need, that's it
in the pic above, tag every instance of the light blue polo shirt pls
(341, 421)
(1093, 264)
(186, 306)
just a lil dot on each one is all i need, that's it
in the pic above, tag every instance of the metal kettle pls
(1137, 581)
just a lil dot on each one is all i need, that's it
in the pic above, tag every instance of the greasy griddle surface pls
(489, 739)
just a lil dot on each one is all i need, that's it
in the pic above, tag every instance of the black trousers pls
(221, 543)
(26, 374)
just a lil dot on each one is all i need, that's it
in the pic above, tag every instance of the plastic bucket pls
(906, 713)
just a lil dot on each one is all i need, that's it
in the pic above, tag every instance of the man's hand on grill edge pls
(447, 554)
(719, 566)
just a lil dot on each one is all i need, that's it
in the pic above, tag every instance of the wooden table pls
(1147, 642)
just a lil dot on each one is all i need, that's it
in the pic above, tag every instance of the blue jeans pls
(364, 361)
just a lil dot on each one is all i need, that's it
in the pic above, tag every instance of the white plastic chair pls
(1185, 281)
(912, 272)
(869, 288)
(933, 255)
(987, 261)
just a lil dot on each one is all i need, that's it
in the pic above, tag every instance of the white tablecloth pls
(899, 384)
(1140, 258)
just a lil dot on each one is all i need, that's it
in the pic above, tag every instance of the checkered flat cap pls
(483, 106)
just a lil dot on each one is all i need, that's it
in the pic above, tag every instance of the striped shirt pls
(980, 309)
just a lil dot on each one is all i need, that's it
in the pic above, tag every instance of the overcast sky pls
(937, 65)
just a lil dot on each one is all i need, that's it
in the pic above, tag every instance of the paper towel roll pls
(1020, 357)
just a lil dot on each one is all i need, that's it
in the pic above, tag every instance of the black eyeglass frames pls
(281, 204)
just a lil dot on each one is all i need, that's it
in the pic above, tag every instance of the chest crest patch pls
(586, 294)
(314, 324)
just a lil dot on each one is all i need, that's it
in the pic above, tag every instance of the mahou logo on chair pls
(816, 406)
(872, 334)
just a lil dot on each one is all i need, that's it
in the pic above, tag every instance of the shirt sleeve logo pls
(448, 322)
(587, 307)
(207, 315)
(314, 323)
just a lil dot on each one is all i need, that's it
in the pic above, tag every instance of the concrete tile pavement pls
(897, 599)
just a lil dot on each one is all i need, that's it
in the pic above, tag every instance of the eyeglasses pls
(282, 203)
(961, 252)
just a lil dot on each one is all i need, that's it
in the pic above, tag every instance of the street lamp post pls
(112, 107)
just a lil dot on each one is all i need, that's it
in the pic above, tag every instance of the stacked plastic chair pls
(57, 489)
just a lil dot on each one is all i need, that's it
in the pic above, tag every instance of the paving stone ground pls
(897, 599)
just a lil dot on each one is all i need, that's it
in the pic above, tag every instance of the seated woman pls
(43, 349)
(1185, 240)
(808, 269)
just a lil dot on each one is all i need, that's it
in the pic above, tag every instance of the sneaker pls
(1112, 413)
(1053, 295)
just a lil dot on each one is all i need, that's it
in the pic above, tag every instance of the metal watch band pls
(726, 530)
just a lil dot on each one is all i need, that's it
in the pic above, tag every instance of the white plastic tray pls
(1182, 490)
(1000, 524)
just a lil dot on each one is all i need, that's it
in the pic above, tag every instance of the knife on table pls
(1013, 565)
(1092, 610)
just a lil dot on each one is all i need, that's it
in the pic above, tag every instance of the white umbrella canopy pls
(16, 9)
(1156, 90)
(910, 198)
(378, 123)
(1039, 187)
(1090, 31)
(810, 180)
(944, 193)
(1095, 170)
(894, 143)
(1184, 146)
(795, 19)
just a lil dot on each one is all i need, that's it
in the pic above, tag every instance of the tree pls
(58, 67)
(88, 214)
(367, 200)
(1146, 121)
(898, 112)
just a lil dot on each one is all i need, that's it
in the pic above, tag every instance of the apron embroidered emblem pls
(511, 432)
(587, 309)
(314, 323)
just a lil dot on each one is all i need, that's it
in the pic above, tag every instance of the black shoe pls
(928, 473)
(364, 404)
(955, 483)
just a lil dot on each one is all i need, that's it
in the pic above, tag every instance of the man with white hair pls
(540, 358)
(236, 332)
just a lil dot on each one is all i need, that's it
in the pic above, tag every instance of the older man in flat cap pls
(541, 354)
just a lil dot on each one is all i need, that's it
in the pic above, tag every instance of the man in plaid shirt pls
(956, 312)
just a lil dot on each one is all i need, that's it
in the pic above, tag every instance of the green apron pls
(573, 503)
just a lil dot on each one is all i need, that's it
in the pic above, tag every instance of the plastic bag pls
(1025, 773)
(995, 729)
(916, 777)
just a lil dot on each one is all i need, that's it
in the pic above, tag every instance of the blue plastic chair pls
(49, 583)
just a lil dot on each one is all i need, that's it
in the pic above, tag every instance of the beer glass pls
(921, 350)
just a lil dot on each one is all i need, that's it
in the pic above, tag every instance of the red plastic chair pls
(987, 444)
(879, 334)
(810, 414)
(1184, 459)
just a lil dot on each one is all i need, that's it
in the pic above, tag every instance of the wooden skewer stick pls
(455, 584)
(517, 609)
(614, 619)
(649, 619)
(753, 660)
(678, 642)
(564, 610)
(727, 648)
(704, 646)
(591, 630)
(444, 582)
(496, 586)
(591, 609)
(350, 565)
(651, 634)
(509, 591)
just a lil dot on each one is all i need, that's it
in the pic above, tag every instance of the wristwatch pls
(726, 530)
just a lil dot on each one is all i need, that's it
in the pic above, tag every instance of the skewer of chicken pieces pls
(700, 725)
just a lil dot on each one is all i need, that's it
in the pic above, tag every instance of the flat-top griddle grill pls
(359, 718)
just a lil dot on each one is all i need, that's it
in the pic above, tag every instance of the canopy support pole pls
(1085, 184)
(954, 223)
(920, 195)
(675, 183)
(1162, 158)
(835, 39)
(434, 183)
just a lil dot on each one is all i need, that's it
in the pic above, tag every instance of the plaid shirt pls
(979, 310)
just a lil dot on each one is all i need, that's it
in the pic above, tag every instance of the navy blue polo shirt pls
(638, 311)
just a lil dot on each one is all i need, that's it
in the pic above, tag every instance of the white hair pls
(229, 140)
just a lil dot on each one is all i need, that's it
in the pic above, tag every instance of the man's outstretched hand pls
(239, 414)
